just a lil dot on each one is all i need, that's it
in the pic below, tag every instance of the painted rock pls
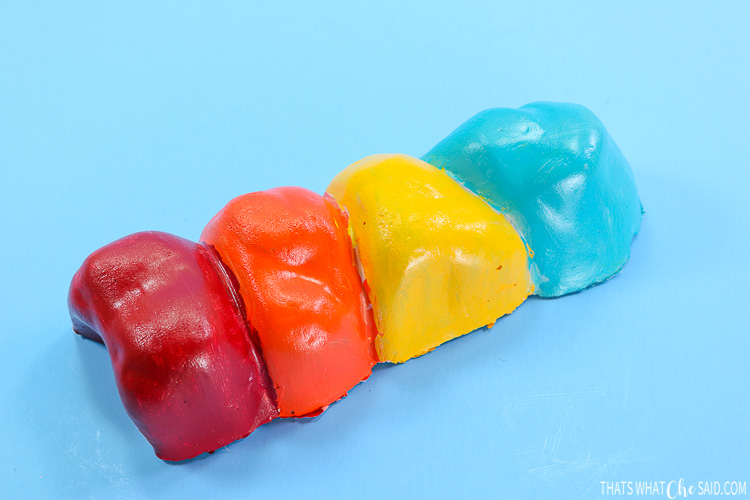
(293, 258)
(439, 261)
(558, 176)
(186, 368)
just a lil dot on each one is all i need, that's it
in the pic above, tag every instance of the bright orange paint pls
(290, 251)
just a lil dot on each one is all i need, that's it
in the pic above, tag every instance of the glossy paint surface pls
(120, 117)
(439, 261)
(554, 170)
(187, 371)
(293, 258)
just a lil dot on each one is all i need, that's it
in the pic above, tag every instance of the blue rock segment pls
(558, 176)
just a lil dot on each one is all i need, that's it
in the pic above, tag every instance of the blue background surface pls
(120, 119)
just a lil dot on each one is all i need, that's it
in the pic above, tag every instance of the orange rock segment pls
(290, 252)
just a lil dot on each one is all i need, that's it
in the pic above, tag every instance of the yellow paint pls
(438, 260)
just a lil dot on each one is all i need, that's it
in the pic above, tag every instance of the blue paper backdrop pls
(121, 118)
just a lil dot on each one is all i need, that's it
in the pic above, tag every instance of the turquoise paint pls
(558, 176)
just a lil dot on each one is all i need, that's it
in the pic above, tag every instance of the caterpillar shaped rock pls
(291, 298)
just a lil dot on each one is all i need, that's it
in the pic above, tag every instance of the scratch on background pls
(569, 451)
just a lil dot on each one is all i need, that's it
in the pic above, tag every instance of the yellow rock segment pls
(439, 261)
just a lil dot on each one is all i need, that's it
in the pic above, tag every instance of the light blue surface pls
(557, 175)
(115, 120)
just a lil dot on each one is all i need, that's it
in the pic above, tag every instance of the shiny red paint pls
(187, 369)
